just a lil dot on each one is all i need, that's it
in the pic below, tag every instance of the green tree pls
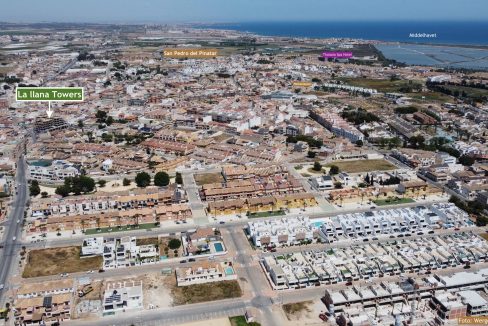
(80, 184)
(44, 194)
(109, 121)
(62, 190)
(161, 179)
(466, 160)
(179, 178)
(126, 182)
(107, 137)
(34, 188)
(101, 116)
(101, 183)
(334, 169)
(311, 154)
(338, 185)
(317, 166)
(174, 244)
(143, 179)
(417, 141)
(359, 143)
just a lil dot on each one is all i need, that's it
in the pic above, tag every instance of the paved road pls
(12, 228)
(253, 275)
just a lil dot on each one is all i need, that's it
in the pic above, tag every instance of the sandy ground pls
(213, 322)
(306, 169)
(116, 185)
(309, 316)
(49, 190)
(93, 296)
(155, 291)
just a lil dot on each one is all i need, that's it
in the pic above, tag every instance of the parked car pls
(192, 260)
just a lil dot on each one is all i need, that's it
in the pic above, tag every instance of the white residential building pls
(58, 170)
(122, 295)
(205, 272)
(281, 231)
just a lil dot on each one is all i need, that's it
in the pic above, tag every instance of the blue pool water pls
(229, 271)
(317, 224)
(218, 247)
(43, 163)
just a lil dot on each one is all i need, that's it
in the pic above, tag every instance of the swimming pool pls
(229, 271)
(317, 224)
(218, 247)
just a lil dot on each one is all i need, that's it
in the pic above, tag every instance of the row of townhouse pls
(47, 303)
(165, 146)
(111, 219)
(398, 222)
(106, 203)
(414, 157)
(450, 297)
(353, 263)
(282, 231)
(337, 125)
(260, 204)
(120, 252)
(253, 187)
(394, 221)
(247, 172)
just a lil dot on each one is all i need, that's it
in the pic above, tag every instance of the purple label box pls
(337, 54)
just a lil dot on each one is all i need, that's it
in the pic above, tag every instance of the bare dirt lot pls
(156, 293)
(304, 313)
(203, 292)
(206, 178)
(51, 261)
(363, 166)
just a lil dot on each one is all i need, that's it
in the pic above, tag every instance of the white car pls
(14, 238)
(2, 286)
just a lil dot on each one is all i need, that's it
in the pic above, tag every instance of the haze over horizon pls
(163, 11)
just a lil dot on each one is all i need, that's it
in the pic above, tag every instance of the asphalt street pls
(11, 241)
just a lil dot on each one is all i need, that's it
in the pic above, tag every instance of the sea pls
(456, 38)
(453, 32)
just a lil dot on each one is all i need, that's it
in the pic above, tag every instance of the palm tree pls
(118, 221)
(83, 226)
(98, 223)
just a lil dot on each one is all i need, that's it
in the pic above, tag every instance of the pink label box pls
(337, 54)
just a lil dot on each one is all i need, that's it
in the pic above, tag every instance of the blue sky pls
(161, 11)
